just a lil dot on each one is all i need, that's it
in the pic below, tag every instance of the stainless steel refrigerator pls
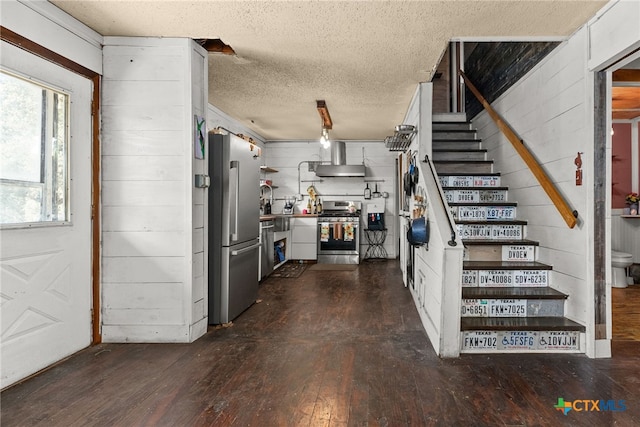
(234, 226)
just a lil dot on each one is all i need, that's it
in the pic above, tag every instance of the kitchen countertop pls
(274, 216)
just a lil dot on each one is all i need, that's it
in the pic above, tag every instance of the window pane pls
(20, 129)
(33, 152)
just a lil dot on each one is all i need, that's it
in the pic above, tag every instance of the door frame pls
(17, 40)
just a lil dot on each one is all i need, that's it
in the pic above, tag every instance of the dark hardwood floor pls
(330, 348)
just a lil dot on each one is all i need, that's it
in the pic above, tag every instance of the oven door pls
(339, 240)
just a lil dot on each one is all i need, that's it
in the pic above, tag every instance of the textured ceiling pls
(364, 58)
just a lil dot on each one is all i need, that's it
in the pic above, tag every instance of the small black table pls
(375, 240)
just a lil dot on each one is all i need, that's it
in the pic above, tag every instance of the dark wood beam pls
(324, 114)
(626, 75)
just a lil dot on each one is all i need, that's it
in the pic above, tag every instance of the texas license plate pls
(474, 308)
(479, 340)
(469, 278)
(517, 340)
(473, 231)
(559, 340)
(486, 181)
(508, 308)
(462, 181)
(531, 278)
(466, 196)
(506, 231)
(495, 278)
(501, 212)
(518, 253)
(471, 213)
(488, 196)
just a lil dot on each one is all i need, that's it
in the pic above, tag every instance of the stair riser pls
(454, 134)
(454, 155)
(500, 253)
(491, 231)
(505, 341)
(456, 145)
(505, 278)
(469, 181)
(512, 308)
(483, 213)
(475, 196)
(451, 126)
(475, 168)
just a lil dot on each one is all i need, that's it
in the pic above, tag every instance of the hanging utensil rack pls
(401, 138)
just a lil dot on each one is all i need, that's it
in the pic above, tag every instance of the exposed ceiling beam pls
(324, 114)
(626, 75)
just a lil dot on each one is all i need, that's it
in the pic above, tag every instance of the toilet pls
(619, 262)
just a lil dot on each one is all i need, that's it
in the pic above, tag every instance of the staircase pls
(508, 304)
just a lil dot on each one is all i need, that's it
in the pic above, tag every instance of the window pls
(33, 152)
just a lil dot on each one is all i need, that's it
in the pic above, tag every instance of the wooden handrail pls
(547, 185)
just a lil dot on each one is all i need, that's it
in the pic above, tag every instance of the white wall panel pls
(142, 218)
(142, 243)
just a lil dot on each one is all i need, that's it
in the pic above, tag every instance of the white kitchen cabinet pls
(304, 238)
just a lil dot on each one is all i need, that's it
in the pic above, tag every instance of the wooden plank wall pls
(146, 191)
(551, 110)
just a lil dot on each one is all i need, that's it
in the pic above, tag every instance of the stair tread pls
(458, 150)
(511, 293)
(476, 188)
(501, 242)
(452, 130)
(505, 265)
(494, 221)
(469, 174)
(464, 161)
(514, 204)
(519, 324)
(438, 140)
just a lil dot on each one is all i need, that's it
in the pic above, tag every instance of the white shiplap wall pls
(285, 156)
(551, 109)
(153, 276)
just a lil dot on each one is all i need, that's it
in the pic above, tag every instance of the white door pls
(46, 268)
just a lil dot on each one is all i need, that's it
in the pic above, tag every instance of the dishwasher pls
(266, 250)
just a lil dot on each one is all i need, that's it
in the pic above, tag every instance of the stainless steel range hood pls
(338, 166)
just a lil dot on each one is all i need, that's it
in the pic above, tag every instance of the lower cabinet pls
(304, 238)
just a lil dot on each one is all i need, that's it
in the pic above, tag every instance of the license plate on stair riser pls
(559, 340)
(506, 231)
(471, 213)
(531, 278)
(480, 341)
(518, 340)
(469, 278)
(473, 231)
(486, 181)
(506, 278)
(508, 308)
(500, 212)
(489, 196)
(518, 253)
(495, 278)
(474, 308)
(493, 308)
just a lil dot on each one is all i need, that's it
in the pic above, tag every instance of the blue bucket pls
(418, 232)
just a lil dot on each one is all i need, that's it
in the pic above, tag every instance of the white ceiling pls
(364, 58)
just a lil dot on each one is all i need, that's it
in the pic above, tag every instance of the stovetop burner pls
(341, 208)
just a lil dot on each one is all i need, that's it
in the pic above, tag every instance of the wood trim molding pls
(17, 40)
(569, 215)
(600, 209)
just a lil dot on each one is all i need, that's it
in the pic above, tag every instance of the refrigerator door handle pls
(247, 249)
(234, 164)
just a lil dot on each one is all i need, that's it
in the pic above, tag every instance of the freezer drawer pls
(237, 289)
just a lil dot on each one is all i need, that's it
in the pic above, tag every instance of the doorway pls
(45, 261)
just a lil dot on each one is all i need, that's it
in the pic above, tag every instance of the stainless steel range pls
(339, 233)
